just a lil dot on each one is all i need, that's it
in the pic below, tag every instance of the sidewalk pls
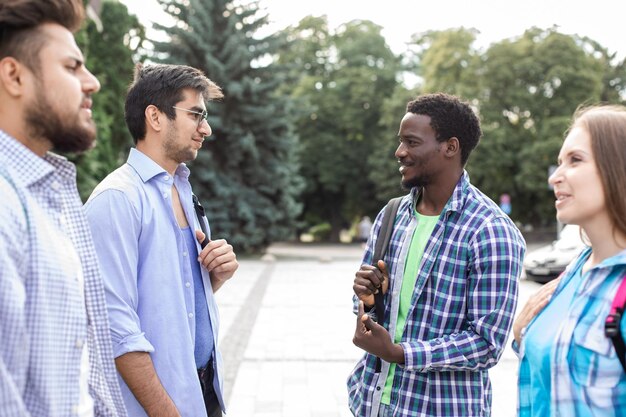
(286, 335)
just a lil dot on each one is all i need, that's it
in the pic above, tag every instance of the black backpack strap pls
(382, 242)
(200, 214)
(612, 324)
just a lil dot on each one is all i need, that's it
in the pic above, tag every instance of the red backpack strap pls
(613, 320)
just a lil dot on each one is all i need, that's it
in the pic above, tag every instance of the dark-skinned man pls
(450, 278)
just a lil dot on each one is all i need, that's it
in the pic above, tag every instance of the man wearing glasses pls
(159, 281)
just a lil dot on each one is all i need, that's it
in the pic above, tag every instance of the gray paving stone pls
(296, 351)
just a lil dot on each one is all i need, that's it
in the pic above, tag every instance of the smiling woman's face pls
(577, 185)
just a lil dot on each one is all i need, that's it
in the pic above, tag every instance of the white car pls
(547, 262)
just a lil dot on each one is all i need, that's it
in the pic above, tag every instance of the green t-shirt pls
(425, 226)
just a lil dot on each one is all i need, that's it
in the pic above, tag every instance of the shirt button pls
(187, 284)
(166, 178)
(190, 315)
(55, 185)
(184, 253)
(79, 343)
(164, 195)
(377, 388)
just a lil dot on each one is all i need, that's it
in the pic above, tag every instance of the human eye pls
(408, 142)
(574, 159)
(73, 66)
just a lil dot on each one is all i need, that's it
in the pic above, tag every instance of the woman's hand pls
(533, 306)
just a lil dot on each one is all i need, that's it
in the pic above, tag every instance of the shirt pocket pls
(593, 361)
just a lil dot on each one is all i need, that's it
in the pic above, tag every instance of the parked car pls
(547, 262)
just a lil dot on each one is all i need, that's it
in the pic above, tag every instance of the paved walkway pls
(287, 330)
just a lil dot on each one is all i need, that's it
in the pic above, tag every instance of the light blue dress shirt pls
(203, 347)
(148, 278)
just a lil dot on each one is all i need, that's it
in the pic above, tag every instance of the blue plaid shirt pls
(586, 376)
(462, 309)
(44, 318)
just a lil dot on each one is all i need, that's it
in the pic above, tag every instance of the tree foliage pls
(247, 176)
(338, 91)
(341, 79)
(109, 56)
(525, 90)
(532, 86)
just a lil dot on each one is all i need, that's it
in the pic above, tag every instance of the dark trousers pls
(210, 398)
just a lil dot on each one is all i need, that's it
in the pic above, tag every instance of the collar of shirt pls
(28, 167)
(148, 169)
(456, 200)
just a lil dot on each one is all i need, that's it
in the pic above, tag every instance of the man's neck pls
(435, 196)
(38, 145)
(154, 153)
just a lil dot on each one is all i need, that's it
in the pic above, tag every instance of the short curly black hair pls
(449, 117)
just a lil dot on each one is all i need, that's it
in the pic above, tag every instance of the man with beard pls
(55, 350)
(449, 278)
(159, 282)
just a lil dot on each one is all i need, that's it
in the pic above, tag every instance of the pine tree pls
(247, 175)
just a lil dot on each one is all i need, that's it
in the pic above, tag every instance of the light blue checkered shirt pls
(462, 309)
(586, 377)
(44, 321)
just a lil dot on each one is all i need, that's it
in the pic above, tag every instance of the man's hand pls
(369, 280)
(219, 259)
(374, 338)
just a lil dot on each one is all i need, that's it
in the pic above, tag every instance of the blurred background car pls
(547, 262)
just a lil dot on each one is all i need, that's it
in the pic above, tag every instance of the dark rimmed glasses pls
(200, 116)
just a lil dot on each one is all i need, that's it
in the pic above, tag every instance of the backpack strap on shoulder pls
(382, 243)
(613, 322)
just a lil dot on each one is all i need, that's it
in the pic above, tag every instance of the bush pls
(321, 232)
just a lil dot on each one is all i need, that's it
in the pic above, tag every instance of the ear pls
(452, 147)
(12, 73)
(154, 118)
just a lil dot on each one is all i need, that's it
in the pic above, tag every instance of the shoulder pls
(487, 223)
(13, 202)
(121, 187)
(13, 214)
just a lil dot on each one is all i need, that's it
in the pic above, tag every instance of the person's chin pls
(409, 183)
(75, 141)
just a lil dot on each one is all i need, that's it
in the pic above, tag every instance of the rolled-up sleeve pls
(116, 225)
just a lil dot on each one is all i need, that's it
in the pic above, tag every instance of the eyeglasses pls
(200, 116)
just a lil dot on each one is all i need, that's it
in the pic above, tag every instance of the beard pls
(420, 182)
(65, 134)
(175, 151)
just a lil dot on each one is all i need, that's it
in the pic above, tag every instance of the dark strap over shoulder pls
(200, 214)
(382, 242)
(612, 324)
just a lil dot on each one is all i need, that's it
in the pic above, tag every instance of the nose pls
(400, 151)
(205, 128)
(90, 83)
(555, 177)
